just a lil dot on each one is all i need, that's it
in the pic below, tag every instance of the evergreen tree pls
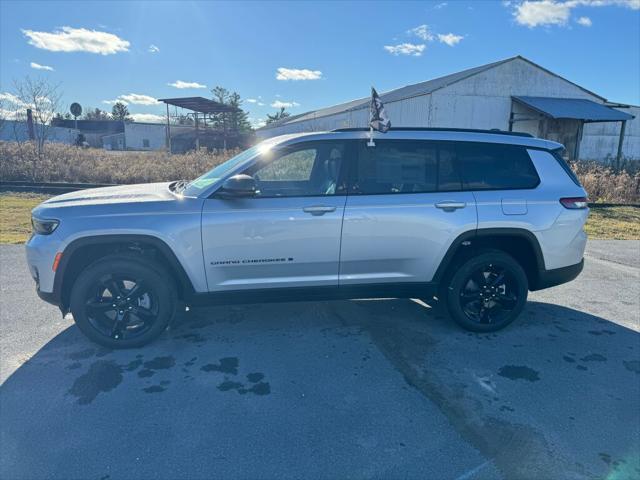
(277, 116)
(239, 119)
(120, 112)
(96, 114)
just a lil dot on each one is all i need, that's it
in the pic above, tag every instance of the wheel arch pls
(85, 250)
(520, 243)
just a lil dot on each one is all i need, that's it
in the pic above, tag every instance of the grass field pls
(609, 223)
(15, 215)
(614, 223)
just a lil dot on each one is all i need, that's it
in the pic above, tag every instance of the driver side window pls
(312, 169)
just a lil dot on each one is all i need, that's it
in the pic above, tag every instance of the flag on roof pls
(378, 119)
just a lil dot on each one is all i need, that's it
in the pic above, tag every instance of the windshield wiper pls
(180, 186)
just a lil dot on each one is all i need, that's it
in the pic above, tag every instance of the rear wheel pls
(487, 292)
(122, 301)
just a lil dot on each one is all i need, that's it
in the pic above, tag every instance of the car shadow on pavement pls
(556, 394)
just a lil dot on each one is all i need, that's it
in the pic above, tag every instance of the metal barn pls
(512, 94)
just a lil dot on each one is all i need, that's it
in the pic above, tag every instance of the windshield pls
(203, 182)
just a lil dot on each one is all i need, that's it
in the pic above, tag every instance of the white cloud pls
(584, 21)
(113, 102)
(441, 5)
(406, 49)
(281, 104)
(423, 32)
(181, 84)
(153, 49)
(70, 39)
(450, 39)
(148, 117)
(37, 66)
(297, 74)
(545, 12)
(535, 13)
(137, 99)
(251, 100)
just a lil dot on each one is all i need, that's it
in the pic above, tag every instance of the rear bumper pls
(557, 276)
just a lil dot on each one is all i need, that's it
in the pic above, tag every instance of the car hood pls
(145, 192)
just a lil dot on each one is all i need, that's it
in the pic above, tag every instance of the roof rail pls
(430, 129)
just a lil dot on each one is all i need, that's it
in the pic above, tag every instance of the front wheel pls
(121, 301)
(487, 292)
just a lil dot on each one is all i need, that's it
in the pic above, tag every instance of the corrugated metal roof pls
(409, 91)
(574, 108)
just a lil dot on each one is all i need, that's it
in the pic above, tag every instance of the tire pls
(123, 301)
(487, 292)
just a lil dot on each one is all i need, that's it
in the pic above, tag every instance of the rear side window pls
(496, 167)
(565, 166)
(404, 167)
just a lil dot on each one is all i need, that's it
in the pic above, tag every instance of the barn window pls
(145, 143)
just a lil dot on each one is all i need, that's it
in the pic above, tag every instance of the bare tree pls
(43, 99)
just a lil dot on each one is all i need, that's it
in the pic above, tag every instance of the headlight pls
(43, 227)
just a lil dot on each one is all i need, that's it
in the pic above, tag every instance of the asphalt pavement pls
(346, 389)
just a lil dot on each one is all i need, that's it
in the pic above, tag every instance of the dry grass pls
(614, 223)
(15, 215)
(604, 184)
(66, 163)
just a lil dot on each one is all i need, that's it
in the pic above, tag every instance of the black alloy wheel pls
(121, 308)
(489, 295)
(487, 292)
(123, 301)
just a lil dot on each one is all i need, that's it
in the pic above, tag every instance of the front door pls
(288, 234)
(405, 207)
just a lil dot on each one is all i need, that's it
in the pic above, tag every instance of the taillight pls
(574, 203)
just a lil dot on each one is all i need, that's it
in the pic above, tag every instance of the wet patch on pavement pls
(103, 376)
(255, 386)
(519, 372)
(226, 365)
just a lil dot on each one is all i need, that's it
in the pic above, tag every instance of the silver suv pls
(470, 219)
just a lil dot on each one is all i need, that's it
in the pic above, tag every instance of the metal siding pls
(600, 140)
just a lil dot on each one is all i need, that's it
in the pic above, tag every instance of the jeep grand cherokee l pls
(474, 219)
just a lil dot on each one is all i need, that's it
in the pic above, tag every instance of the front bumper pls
(557, 276)
(48, 297)
(41, 251)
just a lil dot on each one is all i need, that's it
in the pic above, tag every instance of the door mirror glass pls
(238, 186)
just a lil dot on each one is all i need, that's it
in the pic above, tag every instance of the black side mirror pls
(238, 186)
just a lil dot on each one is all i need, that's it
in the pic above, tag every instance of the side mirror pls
(238, 186)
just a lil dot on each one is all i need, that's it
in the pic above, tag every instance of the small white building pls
(148, 136)
(18, 131)
(512, 94)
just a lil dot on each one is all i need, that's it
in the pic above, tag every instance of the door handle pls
(317, 210)
(450, 206)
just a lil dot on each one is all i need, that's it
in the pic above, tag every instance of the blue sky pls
(330, 51)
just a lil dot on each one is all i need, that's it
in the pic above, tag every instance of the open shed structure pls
(209, 127)
(563, 119)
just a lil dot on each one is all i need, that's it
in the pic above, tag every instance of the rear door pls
(288, 234)
(404, 208)
(503, 181)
